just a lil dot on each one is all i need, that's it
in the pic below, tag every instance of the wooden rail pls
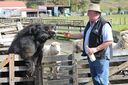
(79, 68)
(118, 63)
(12, 78)
(9, 59)
(65, 74)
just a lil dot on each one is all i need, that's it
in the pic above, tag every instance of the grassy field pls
(119, 22)
(114, 4)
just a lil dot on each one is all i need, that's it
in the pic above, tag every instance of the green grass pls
(120, 27)
(113, 4)
(119, 22)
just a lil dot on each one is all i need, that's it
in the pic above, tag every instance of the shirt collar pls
(92, 23)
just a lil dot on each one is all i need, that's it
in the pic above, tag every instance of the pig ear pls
(49, 27)
(34, 29)
(31, 29)
(46, 27)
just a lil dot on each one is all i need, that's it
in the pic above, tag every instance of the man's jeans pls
(100, 71)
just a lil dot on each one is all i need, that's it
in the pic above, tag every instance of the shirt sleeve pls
(107, 33)
(82, 33)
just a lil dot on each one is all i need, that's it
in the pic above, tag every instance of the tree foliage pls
(79, 6)
(95, 1)
(119, 10)
(33, 4)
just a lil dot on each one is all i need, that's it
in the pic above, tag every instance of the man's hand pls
(67, 34)
(92, 50)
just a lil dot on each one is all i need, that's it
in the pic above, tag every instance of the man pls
(97, 36)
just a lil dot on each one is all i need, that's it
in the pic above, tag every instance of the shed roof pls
(12, 4)
(52, 5)
(29, 9)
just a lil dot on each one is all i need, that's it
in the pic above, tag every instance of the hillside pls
(114, 4)
(105, 4)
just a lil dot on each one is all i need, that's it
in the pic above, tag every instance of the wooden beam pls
(75, 73)
(118, 68)
(17, 68)
(113, 71)
(4, 62)
(11, 69)
(17, 79)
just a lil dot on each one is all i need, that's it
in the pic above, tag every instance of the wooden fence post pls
(75, 73)
(38, 76)
(11, 69)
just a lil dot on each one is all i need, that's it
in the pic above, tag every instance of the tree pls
(33, 4)
(95, 1)
(83, 6)
(55, 2)
(110, 11)
(119, 10)
(79, 6)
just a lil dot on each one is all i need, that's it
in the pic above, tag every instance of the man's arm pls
(107, 39)
(100, 47)
(70, 35)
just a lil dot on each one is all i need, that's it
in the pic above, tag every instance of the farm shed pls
(12, 8)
